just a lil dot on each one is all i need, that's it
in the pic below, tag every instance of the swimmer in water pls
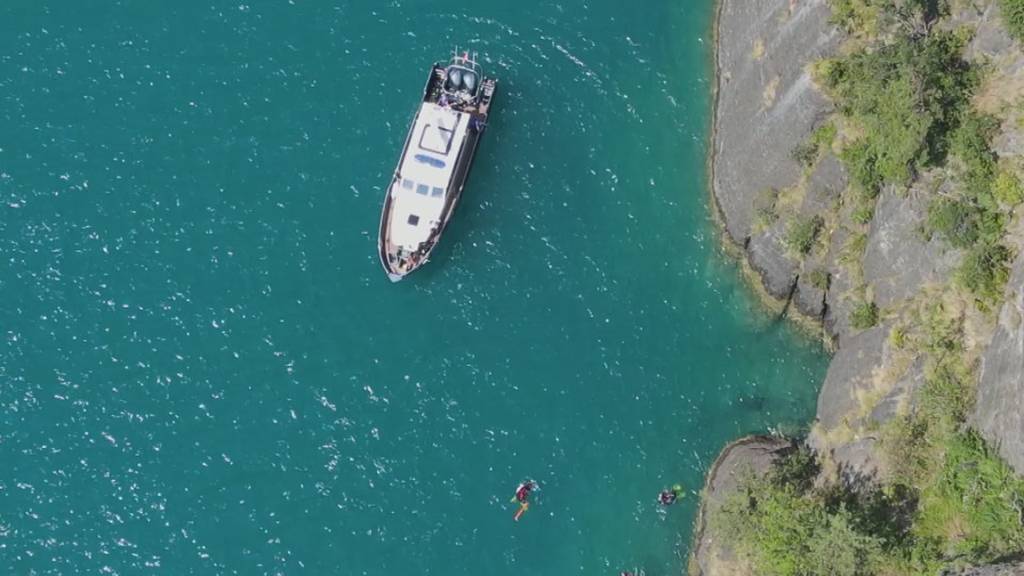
(523, 491)
(669, 497)
(522, 496)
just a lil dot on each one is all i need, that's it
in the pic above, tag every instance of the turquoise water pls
(205, 371)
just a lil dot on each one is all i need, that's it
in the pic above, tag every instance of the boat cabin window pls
(413, 220)
(437, 192)
(407, 184)
(422, 189)
(436, 139)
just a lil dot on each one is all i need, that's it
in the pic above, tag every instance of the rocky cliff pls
(766, 105)
(768, 109)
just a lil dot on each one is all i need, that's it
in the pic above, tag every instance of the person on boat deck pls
(443, 101)
(523, 491)
(669, 497)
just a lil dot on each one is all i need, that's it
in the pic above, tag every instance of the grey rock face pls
(902, 393)
(999, 411)
(712, 555)
(858, 462)
(809, 299)
(768, 257)
(993, 45)
(767, 104)
(850, 371)
(826, 184)
(1011, 569)
(990, 38)
(898, 260)
(837, 312)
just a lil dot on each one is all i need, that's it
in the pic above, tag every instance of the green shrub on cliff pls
(962, 503)
(954, 220)
(977, 498)
(970, 144)
(802, 232)
(969, 503)
(864, 315)
(1013, 17)
(907, 96)
(788, 531)
(863, 167)
(807, 153)
(1007, 189)
(872, 17)
(971, 216)
(856, 15)
(985, 270)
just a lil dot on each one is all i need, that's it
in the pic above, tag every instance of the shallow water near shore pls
(205, 370)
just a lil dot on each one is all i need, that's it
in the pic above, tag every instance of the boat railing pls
(465, 59)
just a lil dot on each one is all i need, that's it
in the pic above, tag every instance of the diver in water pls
(523, 491)
(669, 497)
(522, 497)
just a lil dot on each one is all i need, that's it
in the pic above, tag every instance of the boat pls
(435, 161)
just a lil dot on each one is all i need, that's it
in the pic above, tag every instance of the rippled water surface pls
(204, 370)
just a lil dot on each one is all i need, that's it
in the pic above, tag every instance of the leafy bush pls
(841, 549)
(802, 233)
(1013, 17)
(977, 497)
(788, 530)
(807, 153)
(985, 270)
(1007, 189)
(824, 135)
(856, 15)
(961, 504)
(956, 221)
(907, 96)
(898, 337)
(796, 470)
(970, 144)
(861, 164)
(864, 315)
(970, 502)
(946, 397)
